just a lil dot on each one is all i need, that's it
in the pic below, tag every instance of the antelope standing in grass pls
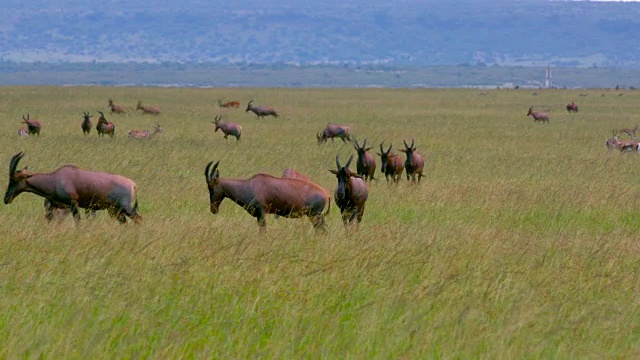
(33, 126)
(415, 162)
(573, 107)
(116, 108)
(538, 115)
(86, 123)
(630, 132)
(366, 164)
(228, 104)
(228, 128)
(145, 134)
(351, 192)
(261, 111)
(105, 127)
(332, 131)
(74, 188)
(23, 132)
(151, 110)
(265, 194)
(391, 164)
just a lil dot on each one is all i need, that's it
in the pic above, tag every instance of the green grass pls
(520, 242)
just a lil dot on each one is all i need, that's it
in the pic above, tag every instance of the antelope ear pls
(334, 172)
(367, 149)
(403, 150)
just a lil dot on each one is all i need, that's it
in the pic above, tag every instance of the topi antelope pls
(228, 128)
(573, 107)
(351, 192)
(33, 126)
(366, 164)
(86, 123)
(391, 164)
(415, 162)
(538, 115)
(630, 132)
(116, 108)
(23, 132)
(228, 104)
(332, 131)
(145, 134)
(261, 111)
(75, 188)
(105, 127)
(265, 194)
(151, 110)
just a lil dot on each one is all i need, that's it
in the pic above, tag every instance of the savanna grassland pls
(521, 241)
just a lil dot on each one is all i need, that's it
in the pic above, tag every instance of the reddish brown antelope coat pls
(228, 128)
(228, 104)
(151, 110)
(538, 115)
(332, 131)
(105, 127)
(116, 108)
(366, 164)
(351, 192)
(415, 162)
(261, 111)
(391, 164)
(33, 126)
(86, 123)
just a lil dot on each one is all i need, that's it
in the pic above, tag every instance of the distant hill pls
(306, 32)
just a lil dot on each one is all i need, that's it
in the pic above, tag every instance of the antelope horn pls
(348, 162)
(338, 161)
(405, 143)
(355, 142)
(209, 174)
(412, 142)
(365, 143)
(14, 162)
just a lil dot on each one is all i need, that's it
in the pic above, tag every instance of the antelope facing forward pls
(573, 107)
(415, 162)
(391, 164)
(86, 123)
(538, 115)
(366, 164)
(351, 192)
(33, 126)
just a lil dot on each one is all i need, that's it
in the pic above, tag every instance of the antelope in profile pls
(151, 110)
(228, 128)
(573, 107)
(33, 126)
(74, 188)
(261, 111)
(116, 108)
(23, 132)
(630, 132)
(366, 164)
(145, 134)
(538, 115)
(415, 162)
(265, 194)
(86, 123)
(351, 192)
(332, 131)
(391, 164)
(105, 127)
(228, 104)
(291, 173)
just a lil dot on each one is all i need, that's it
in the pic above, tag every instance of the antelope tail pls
(328, 207)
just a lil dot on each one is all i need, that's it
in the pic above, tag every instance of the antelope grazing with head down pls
(630, 132)
(145, 134)
(366, 164)
(75, 188)
(105, 127)
(116, 108)
(265, 194)
(151, 110)
(23, 132)
(228, 104)
(33, 126)
(573, 107)
(351, 192)
(332, 131)
(391, 164)
(86, 123)
(228, 128)
(538, 115)
(261, 111)
(415, 162)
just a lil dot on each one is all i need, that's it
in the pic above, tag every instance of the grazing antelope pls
(538, 115)
(228, 128)
(630, 132)
(265, 194)
(86, 123)
(332, 131)
(33, 126)
(23, 132)
(366, 164)
(105, 127)
(228, 104)
(391, 164)
(145, 134)
(573, 107)
(116, 108)
(261, 111)
(351, 192)
(415, 162)
(292, 174)
(75, 188)
(151, 110)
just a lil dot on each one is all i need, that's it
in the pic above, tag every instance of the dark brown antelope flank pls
(261, 111)
(151, 110)
(538, 115)
(391, 164)
(351, 192)
(86, 123)
(366, 164)
(145, 134)
(415, 162)
(228, 104)
(572, 108)
(228, 128)
(74, 188)
(265, 194)
(33, 126)
(105, 127)
(117, 109)
(332, 131)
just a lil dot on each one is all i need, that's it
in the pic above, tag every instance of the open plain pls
(521, 241)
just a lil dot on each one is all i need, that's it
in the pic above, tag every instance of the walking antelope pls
(261, 111)
(415, 162)
(391, 164)
(228, 128)
(366, 164)
(538, 115)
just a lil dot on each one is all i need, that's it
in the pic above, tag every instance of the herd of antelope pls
(631, 145)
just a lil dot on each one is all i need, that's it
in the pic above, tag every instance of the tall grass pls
(521, 241)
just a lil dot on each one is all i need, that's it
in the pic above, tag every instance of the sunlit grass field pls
(521, 241)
